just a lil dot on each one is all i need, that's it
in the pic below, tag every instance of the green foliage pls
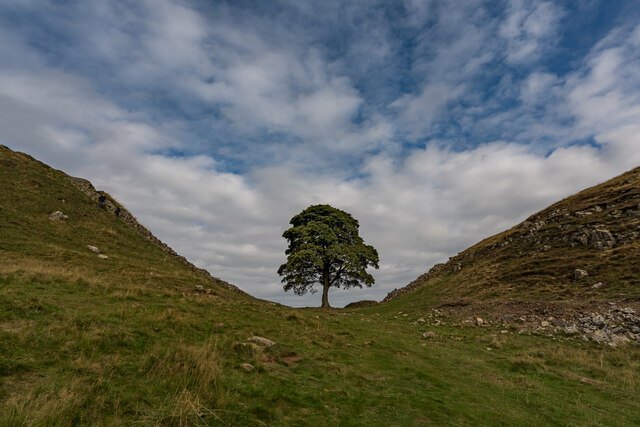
(325, 248)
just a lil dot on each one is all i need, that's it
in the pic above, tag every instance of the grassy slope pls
(125, 340)
(535, 260)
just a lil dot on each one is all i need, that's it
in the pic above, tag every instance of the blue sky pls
(434, 123)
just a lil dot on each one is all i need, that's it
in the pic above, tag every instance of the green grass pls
(75, 355)
(127, 341)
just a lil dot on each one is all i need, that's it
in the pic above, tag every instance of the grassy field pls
(127, 340)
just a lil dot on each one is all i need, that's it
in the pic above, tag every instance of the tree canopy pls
(326, 249)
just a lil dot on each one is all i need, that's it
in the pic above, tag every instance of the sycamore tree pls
(325, 249)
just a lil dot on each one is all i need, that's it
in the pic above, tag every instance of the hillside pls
(102, 324)
(585, 247)
(49, 221)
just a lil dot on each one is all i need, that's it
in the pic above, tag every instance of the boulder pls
(261, 341)
(93, 249)
(57, 216)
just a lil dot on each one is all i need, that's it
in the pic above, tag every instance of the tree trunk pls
(325, 286)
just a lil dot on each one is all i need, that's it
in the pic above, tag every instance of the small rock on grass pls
(57, 216)
(247, 366)
(262, 341)
(429, 334)
(101, 256)
(93, 249)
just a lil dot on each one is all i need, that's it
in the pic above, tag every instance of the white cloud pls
(530, 29)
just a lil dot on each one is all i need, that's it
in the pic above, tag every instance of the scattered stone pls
(421, 320)
(597, 285)
(102, 256)
(262, 341)
(479, 321)
(429, 334)
(247, 366)
(199, 288)
(504, 331)
(93, 249)
(558, 323)
(218, 325)
(545, 324)
(579, 274)
(507, 319)
(57, 216)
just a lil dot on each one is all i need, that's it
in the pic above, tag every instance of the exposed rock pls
(618, 339)
(57, 216)
(597, 319)
(600, 336)
(93, 249)
(199, 288)
(571, 330)
(261, 341)
(597, 285)
(430, 334)
(579, 274)
(545, 324)
(102, 256)
(247, 366)
(507, 319)
(479, 321)
(602, 239)
(421, 320)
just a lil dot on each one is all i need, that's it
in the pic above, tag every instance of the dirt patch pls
(290, 359)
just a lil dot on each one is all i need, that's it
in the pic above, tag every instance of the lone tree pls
(325, 248)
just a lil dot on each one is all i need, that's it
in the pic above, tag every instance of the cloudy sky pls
(434, 123)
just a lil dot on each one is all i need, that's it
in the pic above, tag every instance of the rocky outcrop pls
(433, 272)
(111, 205)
